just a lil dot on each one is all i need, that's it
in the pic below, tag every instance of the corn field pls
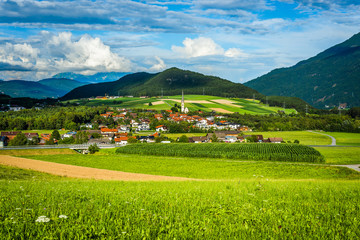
(249, 151)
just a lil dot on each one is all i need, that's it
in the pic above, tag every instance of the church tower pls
(183, 108)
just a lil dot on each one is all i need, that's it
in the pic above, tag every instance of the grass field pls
(239, 200)
(340, 155)
(192, 102)
(345, 139)
(306, 138)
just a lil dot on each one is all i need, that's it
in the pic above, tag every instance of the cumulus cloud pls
(59, 53)
(87, 55)
(202, 46)
(159, 66)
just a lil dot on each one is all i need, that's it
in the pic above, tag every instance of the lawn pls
(306, 138)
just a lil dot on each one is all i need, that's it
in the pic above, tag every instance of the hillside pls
(168, 82)
(52, 87)
(95, 78)
(21, 88)
(62, 84)
(330, 78)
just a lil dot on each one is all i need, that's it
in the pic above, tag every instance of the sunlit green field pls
(346, 139)
(192, 102)
(306, 138)
(340, 155)
(232, 200)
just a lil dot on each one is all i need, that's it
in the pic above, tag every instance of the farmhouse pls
(10, 135)
(275, 140)
(161, 128)
(198, 139)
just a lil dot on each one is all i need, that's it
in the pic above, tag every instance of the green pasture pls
(232, 200)
(306, 138)
(340, 155)
(346, 139)
(201, 168)
(250, 209)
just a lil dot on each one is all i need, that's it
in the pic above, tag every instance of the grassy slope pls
(340, 155)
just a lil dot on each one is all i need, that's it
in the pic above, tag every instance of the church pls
(183, 108)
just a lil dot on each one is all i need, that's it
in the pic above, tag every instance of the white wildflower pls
(17, 208)
(63, 216)
(42, 219)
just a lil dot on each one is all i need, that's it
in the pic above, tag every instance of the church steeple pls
(182, 102)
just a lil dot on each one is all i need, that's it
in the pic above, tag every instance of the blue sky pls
(236, 40)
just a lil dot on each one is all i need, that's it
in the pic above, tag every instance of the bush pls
(93, 148)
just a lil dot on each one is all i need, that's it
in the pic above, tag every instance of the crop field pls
(232, 199)
(192, 102)
(250, 151)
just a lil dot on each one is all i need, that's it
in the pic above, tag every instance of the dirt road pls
(81, 172)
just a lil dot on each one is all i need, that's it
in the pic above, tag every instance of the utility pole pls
(203, 91)
(306, 109)
(284, 105)
(267, 102)
(253, 97)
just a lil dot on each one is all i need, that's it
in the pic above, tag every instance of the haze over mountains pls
(329, 78)
(98, 77)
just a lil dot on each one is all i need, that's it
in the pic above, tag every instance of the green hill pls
(330, 78)
(168, 82)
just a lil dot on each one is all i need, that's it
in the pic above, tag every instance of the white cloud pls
(23, 55)
(87, 55)
(235, 53)
(159, 66)
(200, 47)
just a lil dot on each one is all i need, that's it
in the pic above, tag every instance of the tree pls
(174, 109)
(214, 138)
(50, 142)
(34, 141)
(296, 141)
(55, 134)
(150, 104)
(19, 140)
(132, 140)
(184, 139)
(93, 148)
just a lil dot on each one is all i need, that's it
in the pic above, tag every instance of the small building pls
(161, 128)
(275, 140)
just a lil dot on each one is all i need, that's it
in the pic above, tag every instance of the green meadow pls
(230, 199)
(192, 102)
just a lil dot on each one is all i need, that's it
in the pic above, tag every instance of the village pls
(144, 127)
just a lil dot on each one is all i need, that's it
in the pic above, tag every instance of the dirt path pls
(333, 140)
(82, 172)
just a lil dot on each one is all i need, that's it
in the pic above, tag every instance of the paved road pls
(355, 167)
(333, 140)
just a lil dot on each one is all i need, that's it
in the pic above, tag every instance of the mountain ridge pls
(327, 79)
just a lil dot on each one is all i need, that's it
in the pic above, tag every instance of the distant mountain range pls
(51, 87)
(169, 82)
(326, 80)
(98, 77)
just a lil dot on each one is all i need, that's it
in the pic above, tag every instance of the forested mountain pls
(52, 87)
(330, 78)
(168, 82)
(95, 78)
